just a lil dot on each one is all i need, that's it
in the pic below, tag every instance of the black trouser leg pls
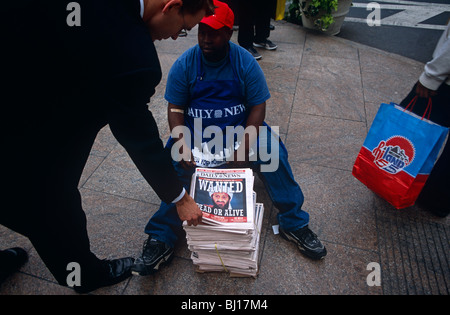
(436, 192)
(46, 204)
(246, 23)
(262, 20)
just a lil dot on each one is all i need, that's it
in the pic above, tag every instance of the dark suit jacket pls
(63, 84)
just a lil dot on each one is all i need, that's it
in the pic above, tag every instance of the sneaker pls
(307, 242)
(254, 53)
(268, 45)
(154, 254)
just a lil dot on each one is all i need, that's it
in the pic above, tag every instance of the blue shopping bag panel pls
(401, 141)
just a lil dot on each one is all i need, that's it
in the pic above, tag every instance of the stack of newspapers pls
(228, 237)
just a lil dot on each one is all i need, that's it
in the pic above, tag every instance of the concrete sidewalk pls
(325, 94)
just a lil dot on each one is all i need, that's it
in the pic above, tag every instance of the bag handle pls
(412, 104)
(427, 110)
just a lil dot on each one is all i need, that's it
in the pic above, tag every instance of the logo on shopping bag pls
(394, 154)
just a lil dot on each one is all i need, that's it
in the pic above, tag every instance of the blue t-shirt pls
(183, 76)
(251, 85)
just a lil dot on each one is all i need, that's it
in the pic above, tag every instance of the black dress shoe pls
(112, 272)
(11, 260)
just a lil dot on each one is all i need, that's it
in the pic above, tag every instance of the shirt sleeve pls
(180, 79)
(437, 70)
(255, 84)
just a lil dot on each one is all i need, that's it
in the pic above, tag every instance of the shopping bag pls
(399, 153)
(280, 10)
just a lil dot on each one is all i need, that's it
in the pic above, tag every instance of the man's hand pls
(423, 91)
(188, 210)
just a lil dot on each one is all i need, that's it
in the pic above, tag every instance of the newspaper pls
(228, 237)
(224, 195)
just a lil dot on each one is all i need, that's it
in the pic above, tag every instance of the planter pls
(311, 22)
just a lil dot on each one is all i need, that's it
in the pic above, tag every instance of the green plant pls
(319, 10)
(294, 13)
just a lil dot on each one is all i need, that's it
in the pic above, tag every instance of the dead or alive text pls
(221, 212)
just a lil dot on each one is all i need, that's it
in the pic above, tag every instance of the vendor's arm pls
(175, 116)
(255, 120)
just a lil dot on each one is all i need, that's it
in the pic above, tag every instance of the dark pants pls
(42, 201)
(283, 190)
(436, 194)
(254, 21)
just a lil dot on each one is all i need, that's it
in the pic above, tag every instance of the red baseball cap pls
(223, 16)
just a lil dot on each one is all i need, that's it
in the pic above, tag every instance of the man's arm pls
(136, 130)
(437, 70)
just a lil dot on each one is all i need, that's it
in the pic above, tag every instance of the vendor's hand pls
(188, 164)
(423, 91)
(238, 164)
(238, 161)
(188, 210)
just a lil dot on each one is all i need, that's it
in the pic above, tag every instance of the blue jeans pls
(281, 186)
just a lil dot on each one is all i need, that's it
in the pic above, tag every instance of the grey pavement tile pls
(331, 70)
(278, 110)
(91, 165)
(373, 60)
(280, 77)
(323, 45)
(115, 224)
(387, 78)
(379, 91)
(35, 266)
(337, 100)
(180, 277)
(9, 238)
(289, 54)
(287, 33)
(340, 207)
(414, 246)
(342, 271)
(23, 284)
(104, 143)
(325, 141)
(371, 111)
(117, 175)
